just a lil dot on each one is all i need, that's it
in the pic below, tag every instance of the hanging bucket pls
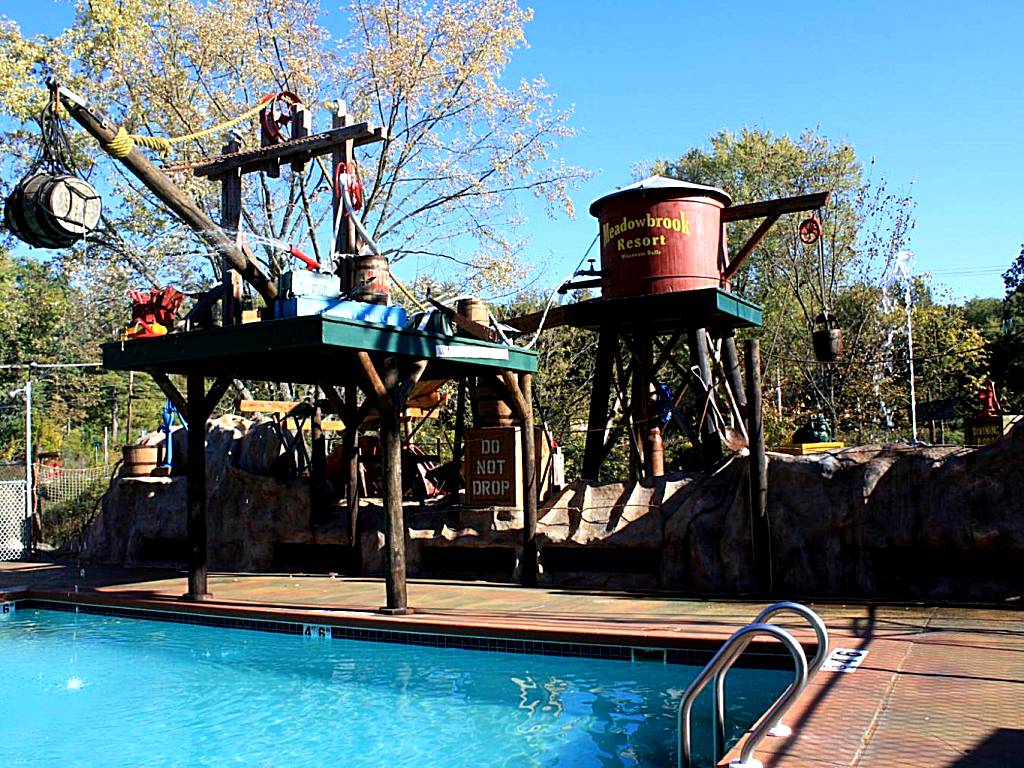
(372, 279)
(827, 338)
(49, 210)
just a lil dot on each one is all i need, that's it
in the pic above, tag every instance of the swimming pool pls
(78, 689)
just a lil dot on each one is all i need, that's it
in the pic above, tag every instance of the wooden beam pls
(391, 472)
(171, 393)
(748, 247)
(231, 221)
(597, 419)
(220, 386)
(334, 398)
(517, 398)
(173, 197)
(350, 460)
(317, 467)
(733, 372)
(710, 443)
(464, 324)
(298, 150)
(775, 207)
(531, 322)
(372, 383)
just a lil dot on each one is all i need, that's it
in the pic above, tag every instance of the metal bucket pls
(372, 279)
(52, 210)
(661, 236)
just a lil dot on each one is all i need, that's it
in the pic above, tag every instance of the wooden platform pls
(709, 308)
(309, 350)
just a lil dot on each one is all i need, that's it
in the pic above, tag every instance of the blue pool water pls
(98, 691)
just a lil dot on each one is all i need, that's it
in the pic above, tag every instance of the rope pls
(124, 142)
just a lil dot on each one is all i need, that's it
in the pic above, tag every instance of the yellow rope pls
(408, 294)
(124, 142)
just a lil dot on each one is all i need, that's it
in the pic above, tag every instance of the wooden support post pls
(760, 531)
(220, 386)
(529, 565)
(345, 244)
(196, 488)
(317, 466)
(711, 445)
(597, 419)
(460, 432)
(231, 222)
(733, 372)
(640, 399)
(302, 123)
(391, 472)
(350, 451)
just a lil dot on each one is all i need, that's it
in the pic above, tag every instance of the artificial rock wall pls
(873, 521)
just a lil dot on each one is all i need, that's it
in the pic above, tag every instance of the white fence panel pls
(14, 526)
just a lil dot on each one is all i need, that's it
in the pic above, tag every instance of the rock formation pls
(888, 521)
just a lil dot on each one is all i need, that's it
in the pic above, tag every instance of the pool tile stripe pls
(465, 642)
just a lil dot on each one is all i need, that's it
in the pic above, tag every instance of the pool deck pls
(940, 687)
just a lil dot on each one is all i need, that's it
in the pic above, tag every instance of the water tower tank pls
(661, 235)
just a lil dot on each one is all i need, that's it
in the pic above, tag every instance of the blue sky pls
(934, 92)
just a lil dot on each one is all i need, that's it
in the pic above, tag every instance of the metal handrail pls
(813, 666)
(725, 657)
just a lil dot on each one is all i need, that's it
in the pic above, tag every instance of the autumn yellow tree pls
(464, 142)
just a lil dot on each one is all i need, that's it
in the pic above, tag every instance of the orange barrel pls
(661, 235)
(372, 279)
(490, 410)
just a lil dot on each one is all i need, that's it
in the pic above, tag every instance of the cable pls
(551, 298)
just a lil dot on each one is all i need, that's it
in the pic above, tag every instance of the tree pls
(865, 226)
(462, 143)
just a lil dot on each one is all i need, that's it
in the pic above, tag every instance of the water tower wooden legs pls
(641, 402)
(597, 420)
(710, 444)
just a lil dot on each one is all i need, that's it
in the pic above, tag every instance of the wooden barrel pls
(489, 410)
(139, 460)
(827, 338)
(372, 279)
(473, 309)
(52, 210)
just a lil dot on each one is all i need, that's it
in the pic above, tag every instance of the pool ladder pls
(770, 723)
